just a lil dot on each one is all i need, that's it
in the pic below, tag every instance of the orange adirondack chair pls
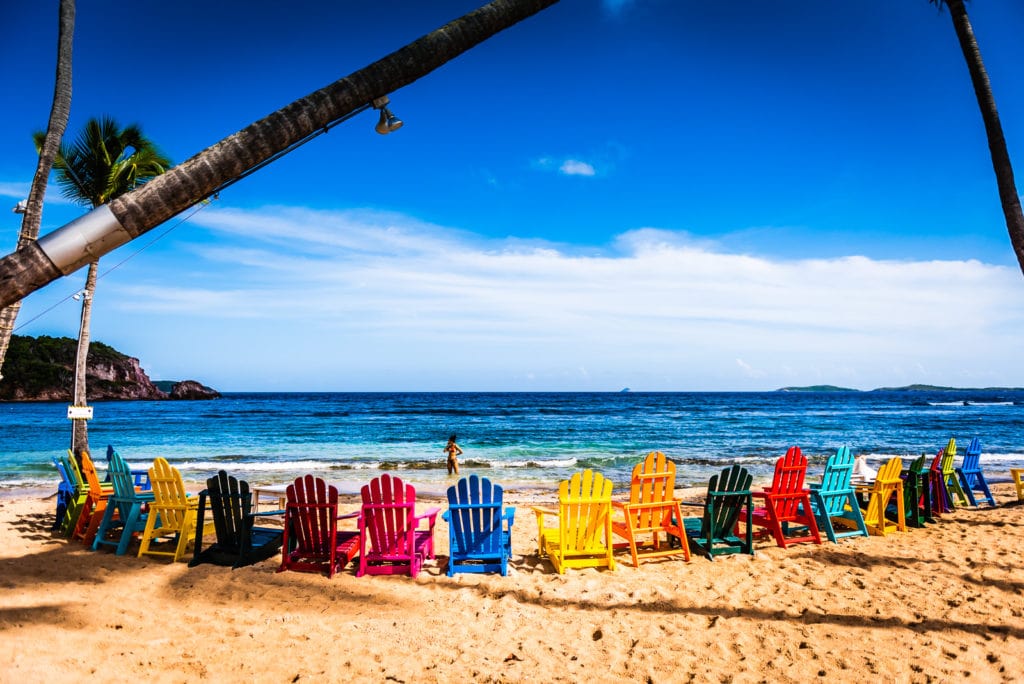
(312, 540)
(786, 502)
(95, 503)
(652, 510)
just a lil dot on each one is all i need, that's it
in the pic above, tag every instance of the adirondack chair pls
(888, 487)
(786, 502)
(917, 501)
(140, 476)
(173, 513)
(942, 500)
(479, 527)
(390, 539)
(239, 541)
(312, 540)
(834, 500)
(80, 492)
(952, 481)
(583, 537)
(128, 503)
(652, 510)
(1017, 475)
(714, 532)
(65, 492)
(95, 505)
(971, 475)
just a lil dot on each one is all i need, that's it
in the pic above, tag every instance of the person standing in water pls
(453, 451)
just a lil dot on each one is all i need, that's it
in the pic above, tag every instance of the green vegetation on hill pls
(37, 364)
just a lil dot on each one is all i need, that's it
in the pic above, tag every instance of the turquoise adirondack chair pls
(479, 527)
(971, 476)
(127, 503)
(834, 500)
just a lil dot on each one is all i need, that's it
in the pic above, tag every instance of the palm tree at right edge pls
(103, 163)
(993, 128)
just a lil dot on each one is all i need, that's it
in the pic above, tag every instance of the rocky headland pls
(43, 369)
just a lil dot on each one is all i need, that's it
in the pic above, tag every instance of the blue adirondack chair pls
(971, 476)
(126, 502)
(479, 528)
(65, 494)
(834, 500)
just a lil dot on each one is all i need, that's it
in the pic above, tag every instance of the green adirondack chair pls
(917, 500)
(80, 492)
(714, 533)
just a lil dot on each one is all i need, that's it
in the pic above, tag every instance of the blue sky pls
(654, 194)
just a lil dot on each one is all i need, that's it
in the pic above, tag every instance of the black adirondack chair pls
(239, 541)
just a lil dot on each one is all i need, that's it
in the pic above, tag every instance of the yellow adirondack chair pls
(175, 510)
(652, 510)
(583, 538)
(949, 476)
(888, 486)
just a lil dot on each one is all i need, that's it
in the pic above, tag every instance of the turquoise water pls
(523, 440)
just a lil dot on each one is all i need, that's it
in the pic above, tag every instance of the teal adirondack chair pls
(834, 500)
(479, 527)
(127, 503)
(971, 476)
(713, 534)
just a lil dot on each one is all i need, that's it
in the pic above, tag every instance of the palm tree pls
(993, 129)
(59, 112)
(103, 163)
(127, 217)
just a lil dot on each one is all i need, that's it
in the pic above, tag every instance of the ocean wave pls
(249, 465)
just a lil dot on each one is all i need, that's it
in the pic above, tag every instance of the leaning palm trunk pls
(59, 112)
(993, 128)
(80, 430)
(129, 216)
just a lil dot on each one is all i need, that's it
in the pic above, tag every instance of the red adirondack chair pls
(390, 540)
(312, 541)
(786, 502)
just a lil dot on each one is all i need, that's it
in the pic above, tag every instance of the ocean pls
(525, 441)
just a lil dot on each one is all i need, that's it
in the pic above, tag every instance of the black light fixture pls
(388, 122)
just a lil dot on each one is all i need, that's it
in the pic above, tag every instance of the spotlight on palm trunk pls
(388, 122)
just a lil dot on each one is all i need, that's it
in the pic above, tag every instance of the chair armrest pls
(266, 514)
(430, 514)
(541, 512)
(510, 515)
(447, 516)
(346, 516)
(814, 485)
(691, 503)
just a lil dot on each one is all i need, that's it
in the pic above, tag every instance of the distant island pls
(905, 388)
(43, 369)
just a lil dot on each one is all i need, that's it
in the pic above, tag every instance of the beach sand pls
(939, 604)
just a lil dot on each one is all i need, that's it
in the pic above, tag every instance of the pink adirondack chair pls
(390, 539)
(786, 502)
(312, 541)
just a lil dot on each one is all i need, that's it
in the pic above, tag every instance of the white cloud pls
(365, 291)
(575, 167)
